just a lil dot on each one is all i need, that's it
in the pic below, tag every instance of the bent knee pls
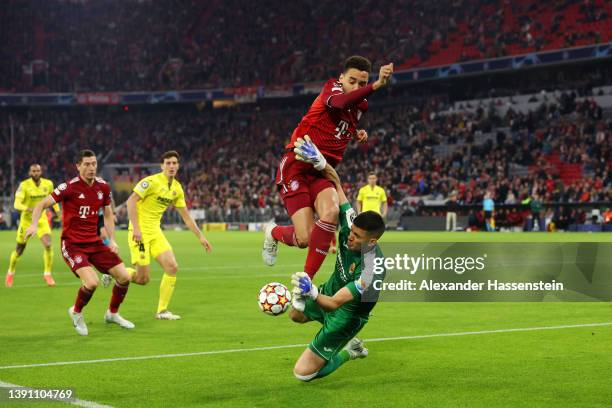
(141, 280)
(302, 239)
(330, 213)
(171, 269)
(92, 284)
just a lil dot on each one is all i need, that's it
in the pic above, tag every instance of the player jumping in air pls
(331, 123)
(151, 196)
(82, 248)
(30, 192)
(343, 303)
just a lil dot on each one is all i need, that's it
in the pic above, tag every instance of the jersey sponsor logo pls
(328, 349)
(84, 211)
(341, 129)
(294, 185)
(62, 187)
(164, 200)
(100, 195)
(321, 251)
(82, 196)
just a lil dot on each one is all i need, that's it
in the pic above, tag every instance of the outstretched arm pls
(346, 100)
(305, 150)
(331, 303)
(193, 227)
(331, 174)
(303, 286)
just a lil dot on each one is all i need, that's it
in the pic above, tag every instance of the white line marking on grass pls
(75, 401)
(192, 268)
(76, 282)
(242, 350)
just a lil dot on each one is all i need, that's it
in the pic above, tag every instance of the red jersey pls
(80, 205)
(330, 128)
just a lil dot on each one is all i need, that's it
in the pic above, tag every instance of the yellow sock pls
(131, 272)
(166, 288)
(13, 262)
(48, 259)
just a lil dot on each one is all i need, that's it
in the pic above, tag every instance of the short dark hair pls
(357, 62)
(371, 173)
(371, 222)
(84, 153)
(169, 154)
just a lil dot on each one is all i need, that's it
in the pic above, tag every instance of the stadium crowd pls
(196, 44)
(419, 151)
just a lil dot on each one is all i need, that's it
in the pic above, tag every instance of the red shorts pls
(90, 254)
(299, 183)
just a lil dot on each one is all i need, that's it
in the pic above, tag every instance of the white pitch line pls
(75, 401)
(203, 269)
(242, 350)
(76, 282)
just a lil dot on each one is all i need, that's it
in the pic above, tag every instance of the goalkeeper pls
(343, 303)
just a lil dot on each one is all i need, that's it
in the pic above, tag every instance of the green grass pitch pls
(245, 358)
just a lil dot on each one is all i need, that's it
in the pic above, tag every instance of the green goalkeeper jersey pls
(353, 270)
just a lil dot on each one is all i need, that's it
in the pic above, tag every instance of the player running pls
(343, 303)
(30, 192)
(146, 205)
(82, 248)
(331, 123)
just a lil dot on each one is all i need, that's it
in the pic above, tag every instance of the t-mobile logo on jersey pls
(341, 129)
(83, 211)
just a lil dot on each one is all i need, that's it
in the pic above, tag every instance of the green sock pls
(334, 363)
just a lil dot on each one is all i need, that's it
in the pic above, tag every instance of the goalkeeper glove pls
(303, 286)
(298, 302)
(306, 151)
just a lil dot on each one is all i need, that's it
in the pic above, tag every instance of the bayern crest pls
(294, 185)
(78, 259)
(100, 195)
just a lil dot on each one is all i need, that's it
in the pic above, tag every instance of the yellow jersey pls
(371, 198)
(156, 194)
(29, 194)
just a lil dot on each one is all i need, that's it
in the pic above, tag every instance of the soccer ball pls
(274, 298)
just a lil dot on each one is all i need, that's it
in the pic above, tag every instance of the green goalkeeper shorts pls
(338, 328)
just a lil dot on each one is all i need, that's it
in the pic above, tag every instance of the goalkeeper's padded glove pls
(303, 285)
(306, 151)
(298, 302)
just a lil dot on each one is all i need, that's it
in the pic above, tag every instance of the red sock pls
(320, 238)
(82, 298)
(119, 292)
(286, 235)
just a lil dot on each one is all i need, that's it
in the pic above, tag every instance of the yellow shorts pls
(43, 228)
(151, 246)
